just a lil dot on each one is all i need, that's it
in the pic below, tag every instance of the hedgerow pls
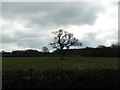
(61, 78)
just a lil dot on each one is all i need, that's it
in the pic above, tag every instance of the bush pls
(62, 78)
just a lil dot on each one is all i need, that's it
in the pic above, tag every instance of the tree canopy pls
(64, 40)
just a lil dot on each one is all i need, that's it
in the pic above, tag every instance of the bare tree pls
(64, 40)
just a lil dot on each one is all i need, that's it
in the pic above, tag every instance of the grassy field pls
(43, 63)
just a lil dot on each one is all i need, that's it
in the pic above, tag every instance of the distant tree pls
(31, 53)
(101, 46)
(45, 50)
(64, 40)
(114, 45)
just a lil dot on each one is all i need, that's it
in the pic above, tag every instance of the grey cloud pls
(90, 40)
(28, 40)
(40, 18)
(52, 13)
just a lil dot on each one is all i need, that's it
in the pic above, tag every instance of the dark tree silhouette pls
(64, 40)
(115, 45)
(101, 46)
(45, 50)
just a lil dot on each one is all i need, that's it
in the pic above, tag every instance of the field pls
(44, 63)
(51, 72)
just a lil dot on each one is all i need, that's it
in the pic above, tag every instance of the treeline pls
(24, 53)
(94, 52)
(100, 51)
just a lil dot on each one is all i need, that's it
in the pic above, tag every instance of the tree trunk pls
(62, 54)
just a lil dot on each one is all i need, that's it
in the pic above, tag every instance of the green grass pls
(43, 63)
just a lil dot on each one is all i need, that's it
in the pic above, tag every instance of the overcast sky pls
(28, 25)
